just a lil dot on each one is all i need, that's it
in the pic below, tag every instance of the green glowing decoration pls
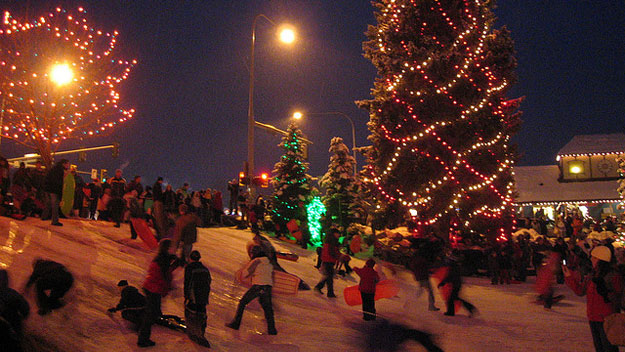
(315, 209)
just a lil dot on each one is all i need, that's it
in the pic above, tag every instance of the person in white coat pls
(261, 272)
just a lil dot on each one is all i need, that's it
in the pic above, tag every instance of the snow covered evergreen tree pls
(439, 119)
(341, 186)
(291, 182)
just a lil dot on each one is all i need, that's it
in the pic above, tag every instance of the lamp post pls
(286, 36)
(298, 115)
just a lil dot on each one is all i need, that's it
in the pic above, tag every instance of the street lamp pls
(286, 35)
(298, 115)
(61, 74)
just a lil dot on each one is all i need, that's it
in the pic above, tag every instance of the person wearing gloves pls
(603, 288)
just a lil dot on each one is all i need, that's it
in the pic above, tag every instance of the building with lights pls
(586, 176)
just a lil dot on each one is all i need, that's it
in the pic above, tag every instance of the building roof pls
(539, 184)
(595, 144)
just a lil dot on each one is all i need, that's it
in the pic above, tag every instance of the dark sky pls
(190, 87)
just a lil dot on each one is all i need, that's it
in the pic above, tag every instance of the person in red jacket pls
(368, 279)
(156, 285)
(603, 289)
(329, 255)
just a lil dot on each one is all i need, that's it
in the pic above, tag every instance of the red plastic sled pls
(294, 229)
(445, 291)
(384, 289)
(144, 232)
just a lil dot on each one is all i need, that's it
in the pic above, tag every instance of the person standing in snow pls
(118, 189)
(261, 271)
(369, 278)
(197, 286)
(329, 255)
(53, 185)
(156, 285)
(420, 268)
(13, 310)
(603, 289)
(185, 231)
(49, 276)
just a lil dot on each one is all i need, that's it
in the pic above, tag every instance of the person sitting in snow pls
(369, 278)
(132, 303)
(52, 276)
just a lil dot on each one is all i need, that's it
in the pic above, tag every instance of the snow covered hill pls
(99, 255)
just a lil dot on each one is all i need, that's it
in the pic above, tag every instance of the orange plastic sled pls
(144, 231)
(283, 283)
(384, 289)
(294, 229)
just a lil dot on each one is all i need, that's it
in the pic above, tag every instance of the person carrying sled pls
(156, 285)
(603, 289)
(197, 287)
(132, 303)
(455, 279)
(261, 271)
(52, 276)
(369, 278)
(329, 255)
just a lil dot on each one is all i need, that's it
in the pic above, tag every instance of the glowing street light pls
(61, 74)
(286, 35)
(298, 115)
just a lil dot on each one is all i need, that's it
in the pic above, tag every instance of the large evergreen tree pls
(291, 182)
(439, 119)
(621, 170)
(341, 186)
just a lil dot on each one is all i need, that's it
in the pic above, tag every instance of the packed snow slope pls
(99, 255)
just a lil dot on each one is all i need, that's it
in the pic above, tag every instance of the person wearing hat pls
(603, 288)
(329, 256)
(369, 278)
(197, 287)
(132, 303)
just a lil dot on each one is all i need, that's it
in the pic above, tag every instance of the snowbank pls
(100, 255)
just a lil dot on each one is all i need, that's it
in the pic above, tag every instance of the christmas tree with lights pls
(341, 187)
(291, 182)
(59, 79)
(439, 119)
(621, 172)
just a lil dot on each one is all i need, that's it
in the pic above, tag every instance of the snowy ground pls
(100, 255)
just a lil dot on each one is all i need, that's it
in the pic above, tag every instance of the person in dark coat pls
(455, 279)
(185, 231)
(117, 204)
(197, 286)
(158, 209)
(329, 255)
(233, 188)
(53, 276)
(13, 310)
(53, 185)
(132, 303)
(369, 278)
(420, 268)
(156, 285)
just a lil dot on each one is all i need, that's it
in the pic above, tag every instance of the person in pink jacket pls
(603, 289)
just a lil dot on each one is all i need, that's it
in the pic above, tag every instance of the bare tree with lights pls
(439, 119)
(59, 79)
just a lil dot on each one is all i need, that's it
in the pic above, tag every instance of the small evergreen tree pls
(291, 182)
(341, 186)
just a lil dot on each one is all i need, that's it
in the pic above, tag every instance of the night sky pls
(190, 87)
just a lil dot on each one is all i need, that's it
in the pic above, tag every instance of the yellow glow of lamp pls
(297, 115)
(576, 167)
(61, 74)
(287, 35)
